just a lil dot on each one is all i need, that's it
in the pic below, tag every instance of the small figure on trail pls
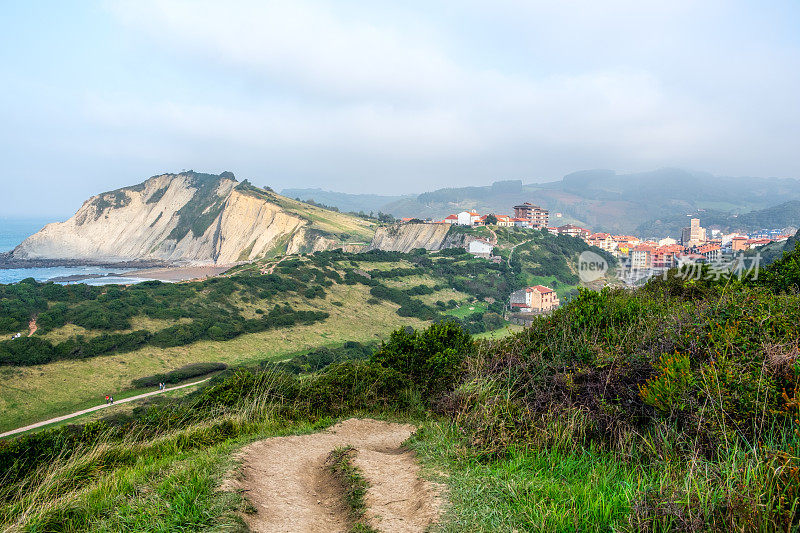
(107, 397)
(111, 399)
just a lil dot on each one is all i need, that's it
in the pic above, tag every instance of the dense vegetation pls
(669, 407)
(201, 310)
(214, 309)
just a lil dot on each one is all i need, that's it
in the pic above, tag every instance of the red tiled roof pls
(643, 248)
(540, 289)
(451, 217)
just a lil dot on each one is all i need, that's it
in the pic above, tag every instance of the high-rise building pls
(538, 217)
(694, 235)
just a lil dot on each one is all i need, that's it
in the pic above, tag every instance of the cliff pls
(191, 218)
(407, 237)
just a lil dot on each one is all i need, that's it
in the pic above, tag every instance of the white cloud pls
(629, 80)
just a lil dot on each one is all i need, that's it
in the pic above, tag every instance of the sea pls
(15, 230)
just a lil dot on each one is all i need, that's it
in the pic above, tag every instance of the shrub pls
(356, 385)
(431, 358)
(180, 374)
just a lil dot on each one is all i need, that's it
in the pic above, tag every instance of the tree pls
(491, 220)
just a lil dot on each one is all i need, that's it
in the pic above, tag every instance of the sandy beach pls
(184, 273)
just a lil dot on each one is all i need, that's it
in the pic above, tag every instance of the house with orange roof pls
(604, 241)
(521, 222)
(712, 252)
(504, 221)
(468, 218)
(536, 299)
(451, 219)
(573, 231)
(641, 257)
(667, 256)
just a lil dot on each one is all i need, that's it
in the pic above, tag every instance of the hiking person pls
(107, 397)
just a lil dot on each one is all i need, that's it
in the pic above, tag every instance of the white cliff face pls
(407, 237)
(161, 218)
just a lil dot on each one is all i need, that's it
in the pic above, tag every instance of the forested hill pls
(785, 215)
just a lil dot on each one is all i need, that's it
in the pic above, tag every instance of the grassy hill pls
(671, 407)
(91, 341)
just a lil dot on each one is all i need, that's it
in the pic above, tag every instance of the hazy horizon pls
(387, 99)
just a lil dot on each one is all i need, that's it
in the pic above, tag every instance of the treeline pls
(36, 350)
(111, 307)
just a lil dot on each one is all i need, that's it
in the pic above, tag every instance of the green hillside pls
(671, 407)
(94, 340)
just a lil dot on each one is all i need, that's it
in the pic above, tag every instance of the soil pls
(291, 490)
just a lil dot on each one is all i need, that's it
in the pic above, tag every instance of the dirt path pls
(514, 248)
(32, 327)
(287, 482)
(95, 408)
(271, 269)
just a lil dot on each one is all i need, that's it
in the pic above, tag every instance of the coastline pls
(180, 273)
(8, 262)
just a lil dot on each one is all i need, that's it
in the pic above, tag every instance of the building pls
(694, 235)
(667, 256)
(480, 247)
(468, 218)
(739, 244)
(537, 299)
(521, 222)
(452, 219)
(504, 221)
(710, 251)
(573, 231)
(604, 241)
(641, 257)
(668, 241)
(537, 216)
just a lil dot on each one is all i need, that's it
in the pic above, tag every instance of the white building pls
(480, 247)
(468, 218)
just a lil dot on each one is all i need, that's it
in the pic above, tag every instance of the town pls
(639, 257)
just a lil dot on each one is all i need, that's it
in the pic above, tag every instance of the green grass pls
(35, 393)
(574, 486)
(467, 309)
(354, 486)
(510, 329)
(178, 482)
(535, 490)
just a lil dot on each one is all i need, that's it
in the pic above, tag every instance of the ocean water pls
(15, 230)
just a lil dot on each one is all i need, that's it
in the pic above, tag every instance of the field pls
(30, 394)
(100, 343)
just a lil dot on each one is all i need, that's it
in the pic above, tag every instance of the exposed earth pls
(287, 482)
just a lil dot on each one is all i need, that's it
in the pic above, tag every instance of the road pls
(96, 408)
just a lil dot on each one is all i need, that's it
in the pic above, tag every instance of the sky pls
(389, 97)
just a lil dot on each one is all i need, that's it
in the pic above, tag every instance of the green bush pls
(431, 358)
(192, 370)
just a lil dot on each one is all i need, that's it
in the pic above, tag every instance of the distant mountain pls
(348, 203)
(191, 217)
(785, 215)
(605, 200)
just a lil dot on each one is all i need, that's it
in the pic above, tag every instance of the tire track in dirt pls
(291, 490)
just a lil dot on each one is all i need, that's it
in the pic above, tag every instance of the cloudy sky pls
(389, 97)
